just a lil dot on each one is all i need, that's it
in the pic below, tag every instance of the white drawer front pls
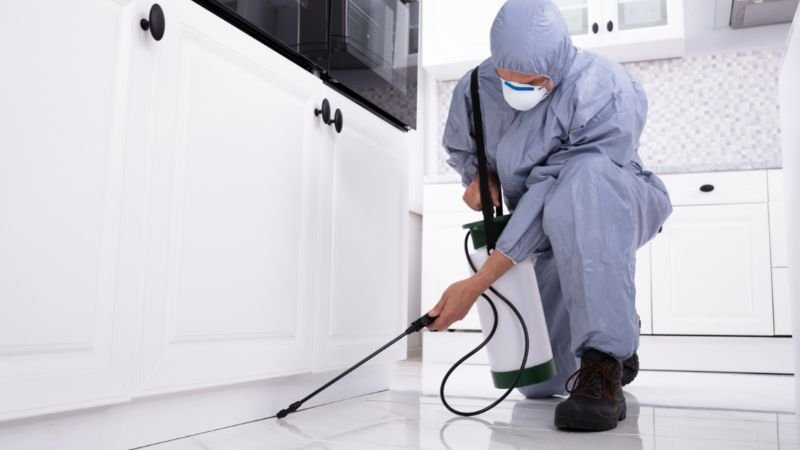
(726, 187)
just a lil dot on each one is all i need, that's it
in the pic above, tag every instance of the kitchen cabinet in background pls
(711, 272)
(457, 31)
(626, 30)
(177, 217)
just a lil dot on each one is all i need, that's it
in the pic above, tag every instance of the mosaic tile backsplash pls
(715, 112)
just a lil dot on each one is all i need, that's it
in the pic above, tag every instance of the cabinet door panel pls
(642, 21)
(64, 119)
(363, 300)
(711, 272)
(227, 293)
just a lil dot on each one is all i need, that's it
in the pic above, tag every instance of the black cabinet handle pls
(155, 23)
(595, 28)
(610, 26)
(338, 120)
(324, 111)
(707, 188)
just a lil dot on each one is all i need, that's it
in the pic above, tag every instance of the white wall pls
(790, 117)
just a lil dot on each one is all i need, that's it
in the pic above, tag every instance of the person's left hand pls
(454, 304)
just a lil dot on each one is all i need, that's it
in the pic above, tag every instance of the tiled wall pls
(716, 112)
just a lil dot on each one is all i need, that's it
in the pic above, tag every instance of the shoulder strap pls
(483, 175)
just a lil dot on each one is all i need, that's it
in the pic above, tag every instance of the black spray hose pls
(421, 323)
(486, 341)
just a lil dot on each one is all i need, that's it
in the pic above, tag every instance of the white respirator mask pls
(522, 97)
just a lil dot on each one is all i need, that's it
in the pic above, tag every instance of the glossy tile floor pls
(665, 411)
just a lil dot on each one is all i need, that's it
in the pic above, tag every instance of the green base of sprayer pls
(531, 375)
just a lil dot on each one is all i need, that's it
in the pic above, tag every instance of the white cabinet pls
(626, 30)
(174, 215)
(363, 264)
(64, 139)
(230, 211)
(711, 263)
(457, 31)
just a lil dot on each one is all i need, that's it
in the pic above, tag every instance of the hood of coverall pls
(531, 37)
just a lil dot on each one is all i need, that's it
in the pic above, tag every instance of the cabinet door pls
(641, 21)
(583, 18)
(711, 272)
(64, 113)
(363, 288)
(230, 210)
(443, 260)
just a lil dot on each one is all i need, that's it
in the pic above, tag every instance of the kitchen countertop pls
(660, 170)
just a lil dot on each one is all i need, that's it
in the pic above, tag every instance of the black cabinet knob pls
(610, 26)
(595, 28)
(155, 22)
(707, 188)
(338, 120)
(324, 111)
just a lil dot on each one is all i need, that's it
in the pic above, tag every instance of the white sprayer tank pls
(506, 348)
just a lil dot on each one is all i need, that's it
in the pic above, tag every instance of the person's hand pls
(472, 196)
(454, 304)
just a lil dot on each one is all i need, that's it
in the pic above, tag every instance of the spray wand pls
(415, 326)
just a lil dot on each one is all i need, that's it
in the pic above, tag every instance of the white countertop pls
(664, 169)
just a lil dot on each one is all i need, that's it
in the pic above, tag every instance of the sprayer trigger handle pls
(420, 323)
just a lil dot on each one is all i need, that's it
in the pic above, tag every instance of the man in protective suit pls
(562, 131)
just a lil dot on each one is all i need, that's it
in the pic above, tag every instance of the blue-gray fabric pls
(570, 172)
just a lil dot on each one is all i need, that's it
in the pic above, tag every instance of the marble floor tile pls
(707, 411)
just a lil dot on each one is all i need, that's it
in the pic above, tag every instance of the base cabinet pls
(711, 272)
(176, 217)
(63, 336)
(363, 263)
(228, 296)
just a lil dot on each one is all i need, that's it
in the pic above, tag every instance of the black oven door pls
(373, 52)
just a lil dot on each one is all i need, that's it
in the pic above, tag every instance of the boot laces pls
(591, 380)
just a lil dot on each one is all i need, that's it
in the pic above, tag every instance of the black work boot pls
(630, 368)
(596, 402)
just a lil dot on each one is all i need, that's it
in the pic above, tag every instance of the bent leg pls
(558, 328)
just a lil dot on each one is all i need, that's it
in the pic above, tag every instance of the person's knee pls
(582, 179)
(582, 167)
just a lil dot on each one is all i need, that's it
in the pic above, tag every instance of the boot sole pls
(589, 424)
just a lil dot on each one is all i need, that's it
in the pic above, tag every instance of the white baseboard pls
(686, 353)
(157, 419)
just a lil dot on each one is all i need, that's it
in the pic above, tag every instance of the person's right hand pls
(472, 196)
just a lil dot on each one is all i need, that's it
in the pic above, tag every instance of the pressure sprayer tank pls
(506, 348)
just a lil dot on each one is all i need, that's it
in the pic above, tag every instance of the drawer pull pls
(707, 188)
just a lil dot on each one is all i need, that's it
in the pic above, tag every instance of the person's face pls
(526, 78)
